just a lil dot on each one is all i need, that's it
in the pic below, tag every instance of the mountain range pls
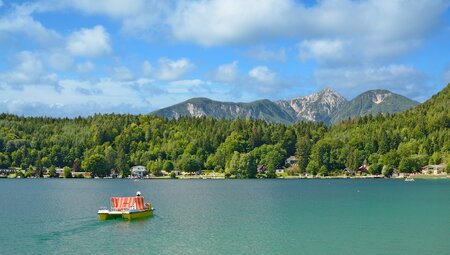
(326, 106)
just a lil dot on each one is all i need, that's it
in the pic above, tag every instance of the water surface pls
(48, 216)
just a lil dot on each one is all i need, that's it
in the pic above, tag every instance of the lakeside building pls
(291, 161)
(262, 169)
(167, 173)
(6, 172)
(84, 174)
(59, 171)
(138, 171)
(363, 169)
(434, 169)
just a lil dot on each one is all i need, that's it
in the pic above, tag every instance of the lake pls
(59, 216)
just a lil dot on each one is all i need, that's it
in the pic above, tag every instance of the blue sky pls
(70, 58)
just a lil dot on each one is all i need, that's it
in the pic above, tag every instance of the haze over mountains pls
(326, 106)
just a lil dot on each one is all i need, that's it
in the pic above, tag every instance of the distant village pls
(141, 172)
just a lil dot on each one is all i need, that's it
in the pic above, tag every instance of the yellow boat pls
(128, 208)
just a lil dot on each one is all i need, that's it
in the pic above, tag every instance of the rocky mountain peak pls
(315, 107)
(327, 106)
(377, 96)
(328, 90)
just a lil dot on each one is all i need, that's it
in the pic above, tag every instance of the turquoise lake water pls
(47, 216)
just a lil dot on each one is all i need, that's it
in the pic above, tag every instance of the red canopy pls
(120, 203)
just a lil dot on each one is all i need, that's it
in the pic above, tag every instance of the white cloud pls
(264, 54)
(402, 79)
(89, 42)
(85, 67)
(170, 69)
(34, 108)
(20, 21)
(28, 62)
(194, 82)
(374, 30)
(29, 70)
(263, 74)
(263, 81)
(147, 68)
(113, 8)
(226, 72)
(57, 58)
(192, 88)
(122, 73)
(83, 97)
(136, 16)
(232, 21)
(144, 82)
(322, 50)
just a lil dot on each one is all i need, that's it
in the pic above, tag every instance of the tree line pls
(101, 143)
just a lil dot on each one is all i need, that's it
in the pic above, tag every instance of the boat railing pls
(147, 206)
(124, 209)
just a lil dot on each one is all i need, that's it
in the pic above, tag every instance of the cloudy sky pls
(80, 57)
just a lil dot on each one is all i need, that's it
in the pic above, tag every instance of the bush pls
(67, 172)
(312, 167)
(52, 172)
(168, 166)
(29, 172)
(387, 171)
(375, 169)
(323, 171)
(173, 175)
(408, 165)
(293, 170)
(19, 174)
(218, 169)
(271, 174)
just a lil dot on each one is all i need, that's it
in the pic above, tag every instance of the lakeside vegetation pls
(101, 143)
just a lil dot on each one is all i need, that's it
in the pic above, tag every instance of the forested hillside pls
(404, 141)
(120, 141)
(100, 143)
(373, 102)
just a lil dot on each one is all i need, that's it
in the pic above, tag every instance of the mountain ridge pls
(373, 102)
(326, 106)
(318, 106)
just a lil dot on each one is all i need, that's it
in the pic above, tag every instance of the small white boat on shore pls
(409, 179)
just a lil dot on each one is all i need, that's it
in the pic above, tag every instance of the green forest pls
(101, 143)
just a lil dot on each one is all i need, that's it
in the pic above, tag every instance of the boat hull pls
(137, 215)
(127, 215)
(107, 216)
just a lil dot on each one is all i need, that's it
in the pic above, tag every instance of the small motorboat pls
(128, 208)
(409, 179)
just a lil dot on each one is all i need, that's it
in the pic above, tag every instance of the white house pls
(59, 171)
(138, 171)
(279, 171)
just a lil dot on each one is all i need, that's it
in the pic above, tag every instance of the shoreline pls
(423, 177)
